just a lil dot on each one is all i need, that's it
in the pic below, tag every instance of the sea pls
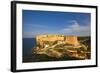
(28, 44)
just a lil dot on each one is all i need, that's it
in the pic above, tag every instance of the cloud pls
(71, 28)
(76, 29)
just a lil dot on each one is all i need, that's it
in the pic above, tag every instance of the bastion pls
(52, 38)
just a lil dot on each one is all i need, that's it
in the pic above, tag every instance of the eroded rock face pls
(59, 46)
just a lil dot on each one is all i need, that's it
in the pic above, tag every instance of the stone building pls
(52, 38)
(72, 40)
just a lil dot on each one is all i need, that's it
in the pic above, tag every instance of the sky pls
(51, 22)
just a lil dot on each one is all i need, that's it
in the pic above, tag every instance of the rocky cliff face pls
(60, 46)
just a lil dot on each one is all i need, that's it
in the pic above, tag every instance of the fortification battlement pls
(68, 39)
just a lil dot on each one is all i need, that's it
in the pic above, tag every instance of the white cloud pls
(76, 29)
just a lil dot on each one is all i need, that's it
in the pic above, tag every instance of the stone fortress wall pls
(68, 39)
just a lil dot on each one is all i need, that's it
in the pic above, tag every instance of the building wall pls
(68, 39)
(72, 40)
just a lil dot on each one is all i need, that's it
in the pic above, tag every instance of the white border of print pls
(37, 65)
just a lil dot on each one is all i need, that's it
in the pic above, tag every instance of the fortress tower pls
(72, 40)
